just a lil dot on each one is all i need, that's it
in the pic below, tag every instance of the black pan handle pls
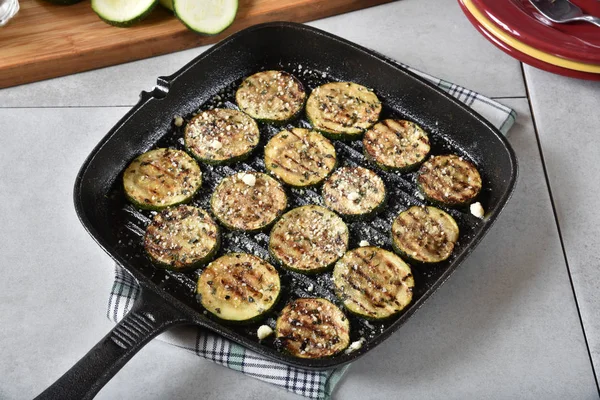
(149, 316)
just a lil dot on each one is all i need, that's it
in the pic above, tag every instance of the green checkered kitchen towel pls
(312, 384)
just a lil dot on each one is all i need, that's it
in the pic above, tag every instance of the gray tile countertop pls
(519, 319)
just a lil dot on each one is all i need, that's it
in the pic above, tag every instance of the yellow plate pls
(525, 48)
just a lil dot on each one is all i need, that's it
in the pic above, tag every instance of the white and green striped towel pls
(312, 384)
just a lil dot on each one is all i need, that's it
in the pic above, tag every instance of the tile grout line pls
(560, 236)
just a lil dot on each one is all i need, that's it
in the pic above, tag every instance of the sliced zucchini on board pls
(312, 328)
(162, 178)
(123, 13)
(396, 144)
(373, 283)
(342, 110)
(271, 96)
(308, 239)
(424, 234)
(248, 201)
(239, 287)
(354, 192)
(182, 238)
(207, 17)
(449, 180)
(300, 157)
(221, 136)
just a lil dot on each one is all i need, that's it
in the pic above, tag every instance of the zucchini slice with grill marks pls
(162, 178)
(313, 328)
(300, 157)
(271, 96)
(309, 239)
(373, 283)
(221, 136)
(449, 180)
(424, 234)
(248, 201)
(396, 144)
(182, 238)
(342, 110)
(354, 192)
(239, 287)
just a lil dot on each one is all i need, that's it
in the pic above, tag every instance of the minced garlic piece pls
(263, 332)
(477, 210)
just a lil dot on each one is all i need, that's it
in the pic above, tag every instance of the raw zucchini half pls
(123, 13)
(373, 283)
(248, 201)
(354, 192)
(312, 328)
(181, 238)
(207, 17)
(396, 144)
(449, 180)
(342, 110)
(424, 234)
(308, 239)
(221, 136)
(271, 96)
(300, 157)
(239, 287)
(161, 178)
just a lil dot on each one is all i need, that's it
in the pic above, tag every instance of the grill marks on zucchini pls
(449, 180)
(248, 201)
(309, 239)
(342, 110)
(271, 96)
(182, 237)
(373, 283)
(313, 328)
(221, 136)
(161, 178)
(396, 144)
(300, 157)
(424, 234)
(239, 287)
(354, 192)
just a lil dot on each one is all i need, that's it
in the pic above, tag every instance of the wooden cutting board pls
(46, 40)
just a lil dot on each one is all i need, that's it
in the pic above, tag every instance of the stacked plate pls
(518, 29)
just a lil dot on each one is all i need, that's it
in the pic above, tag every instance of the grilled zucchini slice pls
(239, 287)
(221, 136)
(308, 239)
(396, 145)
(271, 96)
(248, 201)
(354, 192)
(373, 283)
(162, 178)
(342, 110)
(300, 157)
(312, 328)
(424, 234)
(182, 238)
(449, 180)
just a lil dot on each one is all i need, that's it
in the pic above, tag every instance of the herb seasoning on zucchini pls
(239, 287)
(309, 239)
(342, 110)
(300, 157)
(182, 237)
(161, 178)
(373, 283)
(248, 201)
(221, 136)
(313, 328)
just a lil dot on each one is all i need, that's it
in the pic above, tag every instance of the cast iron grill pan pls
(209, 81)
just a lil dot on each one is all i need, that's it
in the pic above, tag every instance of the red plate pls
(578, 41)
(534, 62)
